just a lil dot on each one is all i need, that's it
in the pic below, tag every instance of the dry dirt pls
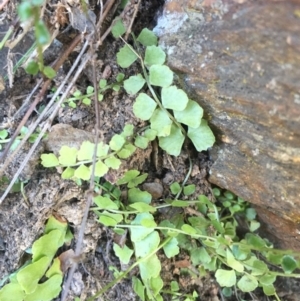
(46, 192)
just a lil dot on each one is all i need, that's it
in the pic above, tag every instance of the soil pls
(46, 192)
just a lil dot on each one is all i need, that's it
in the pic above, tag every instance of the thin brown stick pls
(106, 8)
(32, 149)
(136, 8)
(78, 248)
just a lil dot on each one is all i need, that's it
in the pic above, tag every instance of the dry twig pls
(38, 98)
(47, 125)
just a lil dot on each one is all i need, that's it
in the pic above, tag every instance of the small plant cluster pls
(77, 164)
(168, 128)
(209, 236)
(208, 233)
(89, 93)
(4, 134)
(30, 11)
(168, 109)
(41, 278)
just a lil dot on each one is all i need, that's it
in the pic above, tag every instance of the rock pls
(240, 60)
(155, 189)
(63, 134)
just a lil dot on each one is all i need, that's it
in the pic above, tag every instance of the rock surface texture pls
(241, 61)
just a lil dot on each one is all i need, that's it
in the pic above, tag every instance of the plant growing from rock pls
(172, 115)
(208, 236)
(169, 115)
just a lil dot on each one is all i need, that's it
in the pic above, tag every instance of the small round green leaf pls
(110, 219)
(137, 195)
(68, 173)
(255, 240)
(126, 151)
(267, 279)
(134, 84)
(104, 203)
(126, 57)
(86, 151)
(142, 207)
(128, 176)
(3, 134)
(120, 77)
(139, 233)
(82, 172)
(49, 72)
(102, 83)
(124, 254)
(250, 214)
(202, 137)
(289, 264)
(49, 160)
(161, 123)
(172, 144)
(147, 37)
(247, 284)
(161, 76)
(25, 10)
(147, 245)
(150, 268)
(32, 68)
(175, 187)
(227, 292)
(67, 155)
(154, 55)
(87, 101)
(233, 263)
(127, 130)
(254, 225)
(150, 134)
(188, 229)
(89, 90)
(12, 289)
(118, 29)
(189, 189)
(113, 162)
(141, 142)
(226, 278)
(144, 106)
(269, 290)
(102, 150)
(100, 169)
(191, 115)
(41, 33)
(116, 142)
(171, 249)
(173, 98)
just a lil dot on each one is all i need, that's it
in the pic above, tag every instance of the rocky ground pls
(22, 221)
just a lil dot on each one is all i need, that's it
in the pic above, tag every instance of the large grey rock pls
(241, 61)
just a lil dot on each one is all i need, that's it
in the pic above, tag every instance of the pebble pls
(155, 189)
